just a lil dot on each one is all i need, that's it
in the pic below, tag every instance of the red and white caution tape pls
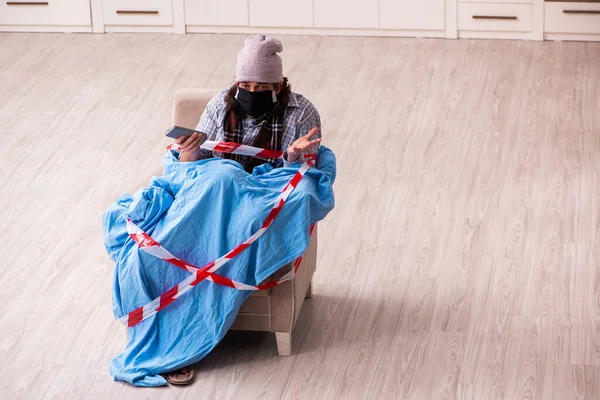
(150, 246)
(242, 149)
(234, 148)
(199, 274)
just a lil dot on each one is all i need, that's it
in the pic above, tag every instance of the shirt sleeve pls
(311, 119)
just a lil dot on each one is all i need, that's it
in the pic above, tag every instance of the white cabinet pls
(138, 12)
(571, 18)
(489, 19)
(412, 15)
(347, 14)
(216, 12)
(47, 15)
(495, 17)
(503, 19)
(281, 13)
(138, 16)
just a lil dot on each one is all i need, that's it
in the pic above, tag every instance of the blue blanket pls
(199, 211)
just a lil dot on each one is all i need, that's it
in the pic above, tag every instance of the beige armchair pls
(277, 309)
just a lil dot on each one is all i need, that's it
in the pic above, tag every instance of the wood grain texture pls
(462, 260)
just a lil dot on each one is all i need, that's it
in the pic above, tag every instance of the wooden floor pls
(462, 260)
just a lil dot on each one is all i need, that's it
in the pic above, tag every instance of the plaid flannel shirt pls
(299, 118)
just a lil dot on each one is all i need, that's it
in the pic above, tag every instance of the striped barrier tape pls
(242, 149)
(234, 148)
(152, 247)
(149, 245)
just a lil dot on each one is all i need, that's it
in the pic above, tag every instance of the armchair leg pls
(284, 343)
(309, 291)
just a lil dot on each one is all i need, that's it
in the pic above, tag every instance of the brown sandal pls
(182, 376)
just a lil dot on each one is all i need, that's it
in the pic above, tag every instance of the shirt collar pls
(293, 102)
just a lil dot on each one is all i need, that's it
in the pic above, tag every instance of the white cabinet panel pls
(346, 13)
(281, 13)
(138, 12)
(582, 18)
(45, 12)
(216, 12)
(496, 1)
(506, 17)
(412, 15)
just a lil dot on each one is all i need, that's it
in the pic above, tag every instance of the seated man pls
(259, 110)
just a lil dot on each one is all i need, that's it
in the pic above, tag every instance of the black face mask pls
(255, 104)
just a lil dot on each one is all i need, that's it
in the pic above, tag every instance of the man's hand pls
(302, 145)
(190, 147)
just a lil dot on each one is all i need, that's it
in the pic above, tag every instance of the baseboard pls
(317, 31)
(494, 35)
(46, 28)
(575, 37)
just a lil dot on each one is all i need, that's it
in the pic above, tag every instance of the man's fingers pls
(312, 133)
(198, 142)
(311, 144)
(193, 145)
(180, 139)
(189, 140)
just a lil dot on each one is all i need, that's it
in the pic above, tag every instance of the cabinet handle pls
(493, 17)
(137, 11)
(26, 3)
(581, 11)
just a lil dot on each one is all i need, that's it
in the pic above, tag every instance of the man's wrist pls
(188, 157)
(292, 156)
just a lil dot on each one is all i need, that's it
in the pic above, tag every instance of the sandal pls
(182, 376)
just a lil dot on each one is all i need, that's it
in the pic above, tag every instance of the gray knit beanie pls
(258, 61)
